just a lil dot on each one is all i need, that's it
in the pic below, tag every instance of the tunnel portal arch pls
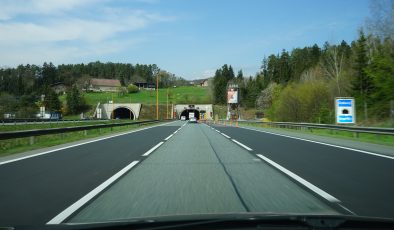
(123, 113)
(187, 111)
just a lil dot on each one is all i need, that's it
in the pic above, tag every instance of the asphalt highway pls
(184, 168)
(361, 181)
(35, 189)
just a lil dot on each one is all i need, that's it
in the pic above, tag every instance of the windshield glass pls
(149, 109)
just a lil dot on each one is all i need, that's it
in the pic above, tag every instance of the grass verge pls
(178, 95)
(363, 137)
(18, 145)
(48, 125)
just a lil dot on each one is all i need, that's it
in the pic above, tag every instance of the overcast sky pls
(190, 38)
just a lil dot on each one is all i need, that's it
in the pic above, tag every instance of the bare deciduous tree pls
(381, 22)
(333, 66)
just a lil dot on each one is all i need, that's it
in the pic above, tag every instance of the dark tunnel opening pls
(187, 111)
(123, 113)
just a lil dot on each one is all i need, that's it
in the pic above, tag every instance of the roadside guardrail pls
(39, 132)
(38, 120)
(355, 129)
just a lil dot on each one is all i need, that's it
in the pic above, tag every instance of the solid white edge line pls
(225, 135)
(347, 209)
(244, 146)
(74, 207)
(300, 180)
(169, 137)
(152, 149)
(71, 146)
(322, 143)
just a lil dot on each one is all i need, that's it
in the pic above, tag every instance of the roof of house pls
(105, 82)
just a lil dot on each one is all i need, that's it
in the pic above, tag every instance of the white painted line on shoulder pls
(244, 146)
(74, 207)
(152, 149)
(300, 180)
(71, 146)
(347, 209)
(322, 143)
(217, 130)
(225, 135)
(169, 137)
(175, 132)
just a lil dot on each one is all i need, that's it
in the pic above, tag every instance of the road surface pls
(184, 168)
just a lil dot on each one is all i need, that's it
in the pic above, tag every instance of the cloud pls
(13, 8)
(209, 73)
(59, 31)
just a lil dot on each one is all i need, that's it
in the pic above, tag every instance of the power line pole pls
(392, 112)
(157, 97)
(167, 103)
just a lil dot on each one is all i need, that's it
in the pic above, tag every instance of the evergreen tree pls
(362, 83)
(240, 76)
(51, 101)
(75, 101)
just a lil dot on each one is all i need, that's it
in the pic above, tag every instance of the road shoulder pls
(364, 146)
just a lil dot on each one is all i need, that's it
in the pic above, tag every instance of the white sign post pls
(98, 113)
(42, 111)
(345, 110)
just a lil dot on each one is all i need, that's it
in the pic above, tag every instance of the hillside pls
(182, 94)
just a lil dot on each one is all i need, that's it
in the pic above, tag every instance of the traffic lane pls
(260, 185)
(359, 180)
(36, 189)
(199, 171)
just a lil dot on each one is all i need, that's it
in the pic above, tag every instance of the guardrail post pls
(85, 132)
(31, 140)
(355, 134)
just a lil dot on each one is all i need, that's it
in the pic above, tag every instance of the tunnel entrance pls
(123, 113)
(187, 111)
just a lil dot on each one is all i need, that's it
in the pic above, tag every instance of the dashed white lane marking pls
(71, 209)
(87, 142)
(152, 149)
(322, 143)
(169, 137)
(300, 180)
(244, 146)
(225, 135)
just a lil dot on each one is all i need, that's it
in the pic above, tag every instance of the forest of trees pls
(300, 85)
(21, 87)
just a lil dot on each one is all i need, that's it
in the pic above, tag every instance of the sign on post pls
(345, 110)
(232, 96)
